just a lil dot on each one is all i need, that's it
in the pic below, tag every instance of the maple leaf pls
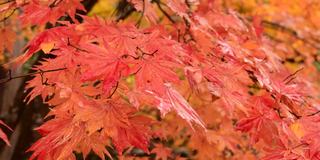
(259, 121)
(56, 37)
(94, 143)
(231, 93)
(308, 131)
(44, 83)
(88, 122)
(288, 147)
(128, 130)
(58, 133)
(230, 21)
(218, 51)
(39, 13)
(147, 80)
(194, 76)
(154, 59)
(173, 100)
(121, 39)
(107, 66)
(115, 120)
(288, 90)
(178, 6)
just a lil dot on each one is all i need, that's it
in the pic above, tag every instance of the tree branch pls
(142, 14)
(290, 31)
(77, 48)
(114, 91)
(7, 17)
(164, 12)
(5, 2)
(41, 72)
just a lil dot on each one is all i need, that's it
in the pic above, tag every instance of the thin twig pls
(145, 53)
(164, 12)
(295, 114)
(7, 17)
(312, 114)
(2, 3)
(128, 55)
(55, 3)
(278, 112)
(77, 48)
(279, 26)
(292, 76)
(142, 14)
(150, 54)
(292, 32)
(114, 91)
(41, 72)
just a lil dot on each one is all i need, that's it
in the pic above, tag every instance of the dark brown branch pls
(7, 17)
(41, 72)
(164, 12)
(55, 3)
(134, 73)
(299, 145)
(278, 112)
(291, 32)
(123, 10)
(292, 76)
(44, 82)
(145, 53)
(312, 114)
(142, 54)
(279, 27)
(77, 48)
(149, 54)
(295, 114)
(114, 91)
(142, 14)
(5, 2)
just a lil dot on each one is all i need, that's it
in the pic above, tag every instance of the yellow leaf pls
(297, 129)
(47, 47)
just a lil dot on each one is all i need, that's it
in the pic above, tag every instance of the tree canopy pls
(167, 79)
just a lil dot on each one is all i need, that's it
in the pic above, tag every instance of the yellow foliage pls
(103, 8)
(47, 47)
(297, 129)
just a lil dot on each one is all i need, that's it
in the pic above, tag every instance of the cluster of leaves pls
(109, 77)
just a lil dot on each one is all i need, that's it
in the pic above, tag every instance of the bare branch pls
(41, 72)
